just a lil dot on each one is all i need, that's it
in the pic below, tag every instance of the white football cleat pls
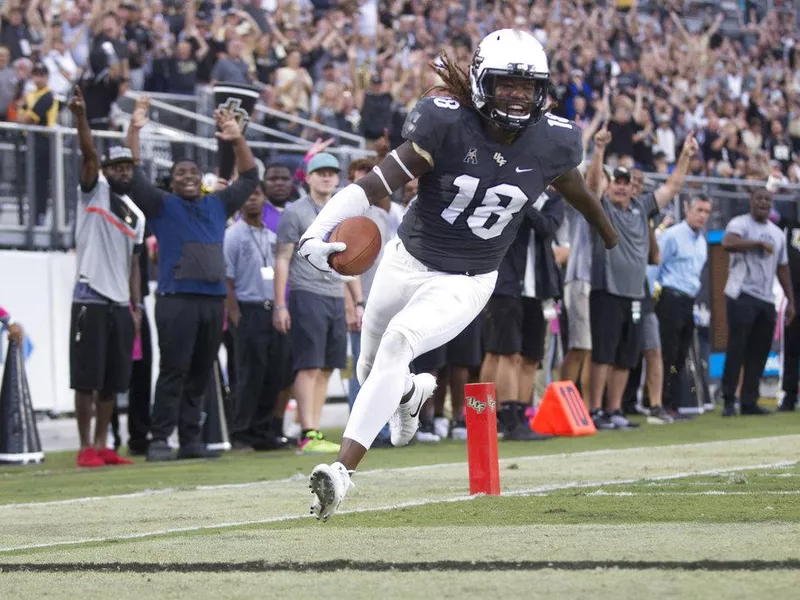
(405, 420)
(329, 484)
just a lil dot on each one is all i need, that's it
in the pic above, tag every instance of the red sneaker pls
(109, 457)
(90, 458)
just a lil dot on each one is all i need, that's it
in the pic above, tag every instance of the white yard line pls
(298, 477)
(411, 504)
(602, 493)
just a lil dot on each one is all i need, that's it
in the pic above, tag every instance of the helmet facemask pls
(512, 114)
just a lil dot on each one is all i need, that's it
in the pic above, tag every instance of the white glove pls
(316, 252)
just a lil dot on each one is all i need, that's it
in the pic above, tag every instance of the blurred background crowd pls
(340, 74)
(728, 70)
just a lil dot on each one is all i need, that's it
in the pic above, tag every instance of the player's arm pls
(90, 161)
(280, 312)
(407, 162)
(400, 166)
(547, 218)
(654, 252)
(673, 185)
(573, 187)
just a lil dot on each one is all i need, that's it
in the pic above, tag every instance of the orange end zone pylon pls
(562, 412)
(481, 410)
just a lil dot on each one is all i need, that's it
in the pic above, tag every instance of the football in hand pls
(363, 240)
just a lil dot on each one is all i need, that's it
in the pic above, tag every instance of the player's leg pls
(654, 369)
(534, 331)
(577, 361)
(308, 339)
(439, 310)
(463, 354)
(88, 351)
(395, 281)
(629, 349)
(119, 362)
(607, 316)
(791, 365)
(431, 362)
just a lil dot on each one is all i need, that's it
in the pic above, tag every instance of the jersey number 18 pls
(489, 206)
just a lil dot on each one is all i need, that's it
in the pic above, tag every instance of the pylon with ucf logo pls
(481, 409)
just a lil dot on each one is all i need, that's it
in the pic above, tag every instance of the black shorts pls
(101, 347)
(616, 337)
(318, 333)
(514, 326)
(464, 350)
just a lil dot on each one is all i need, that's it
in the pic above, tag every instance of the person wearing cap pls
(315, 315)
(190, 228)
(108, 236)
(618, 278)
(40, 107)
(758, 252)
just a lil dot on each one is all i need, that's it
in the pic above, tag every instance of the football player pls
(482, 156)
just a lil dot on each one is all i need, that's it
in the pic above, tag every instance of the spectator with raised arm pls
(106, 303)
(190, 229)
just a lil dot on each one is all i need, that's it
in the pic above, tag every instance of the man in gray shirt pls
(617, 279)
(260, 353)
(758, 252)
(315, 315)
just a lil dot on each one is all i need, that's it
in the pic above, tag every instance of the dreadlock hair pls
(455, 81)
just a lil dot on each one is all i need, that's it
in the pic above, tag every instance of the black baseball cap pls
(115, 155)
(622, 173)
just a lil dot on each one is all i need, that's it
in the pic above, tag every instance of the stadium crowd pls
(674, 88)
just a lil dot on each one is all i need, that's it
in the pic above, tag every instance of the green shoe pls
(315, 443)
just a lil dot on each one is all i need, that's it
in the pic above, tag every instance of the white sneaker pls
(426, 434)
(405, 420)
(441, 427)
(329, 484)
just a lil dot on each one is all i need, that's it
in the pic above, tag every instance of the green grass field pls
(708, 508)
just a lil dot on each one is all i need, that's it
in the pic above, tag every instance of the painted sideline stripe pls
(468, 566)
(382, 471)
(602, 493)
(409, 504)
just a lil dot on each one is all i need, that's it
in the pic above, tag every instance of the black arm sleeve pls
(145, 195)
(548, 219)
(236, 195)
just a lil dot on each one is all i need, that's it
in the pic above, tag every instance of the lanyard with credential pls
(267, 272)
(261, 251)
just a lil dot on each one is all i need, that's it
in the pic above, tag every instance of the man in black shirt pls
(139, 43)
(791, 332)
(514, 326)
(108, 68)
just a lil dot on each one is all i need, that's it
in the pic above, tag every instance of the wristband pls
(279, 307)
(361, 304)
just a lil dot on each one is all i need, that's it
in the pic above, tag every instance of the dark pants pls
(675, 312)
(262, 362)
(189, 336)
(791, 361)
(751, 325)
(42, 182)
(140, 393)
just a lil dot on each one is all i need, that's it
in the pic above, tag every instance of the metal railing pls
(188, 113)
(730, 197)
(40, 168)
